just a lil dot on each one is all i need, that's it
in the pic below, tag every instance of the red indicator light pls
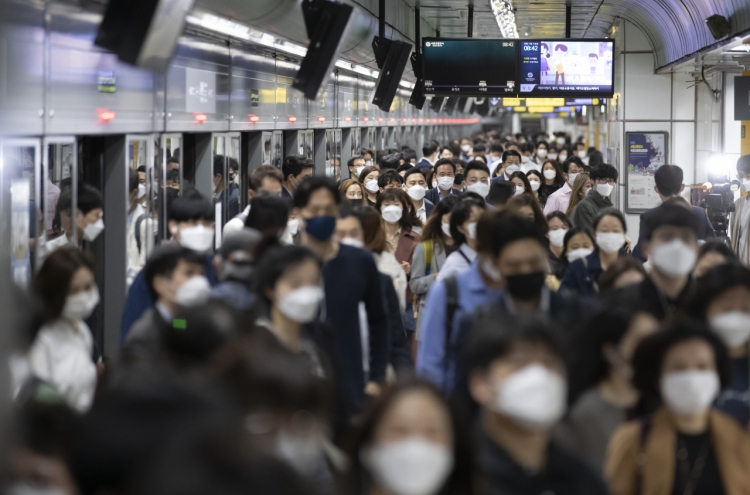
(292, 119)
(105, 115)
(200, 117)
(321, 119)
(348, 119)
(254, 118)
(366, 119)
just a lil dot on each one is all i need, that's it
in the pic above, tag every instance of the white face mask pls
(604, 189)
(198, 238)
(349, 241)
(556, 237)
(562, 157)
(674, 258)
(392, 214)
(733, 327)
(480, 188)
(534, 397)
(582, 154)
(413, 466)
(519, 190)
(572, 178)
(578, 254)
(690, 392)
(304, 453)
(292, 226)
(525, 159)
(535, 185)
(550, 174)
(301, 305)
(541, 153)
(434, 184)
(368, 163)
(552, 156)
(358, 171)
(746, 185)
(416, 192)
(446, 227)
(193, 292)
(445, 183)
(610, 242)
(466, 148)
(141, 191)
(510, 169)
(81, 305)
(372, 186)
(92, 230)
(471, 230)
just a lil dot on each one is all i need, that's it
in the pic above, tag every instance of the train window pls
(226, 178)
(267, 138)
(142, 221)
(21, 165)
(170, 179)
(277, 149)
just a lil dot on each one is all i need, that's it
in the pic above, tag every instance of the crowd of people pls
(474, 321)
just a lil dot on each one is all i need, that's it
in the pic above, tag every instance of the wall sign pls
(200, 91)
(645, 152)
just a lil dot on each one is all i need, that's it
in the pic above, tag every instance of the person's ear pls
(656, 189)
(682, 188)
(173, 227)
(480, 388)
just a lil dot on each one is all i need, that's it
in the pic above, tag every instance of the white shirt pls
(61, 354)
(237, 223)
(744, 224)
(457, 262)
(422, 215)
(46, 247)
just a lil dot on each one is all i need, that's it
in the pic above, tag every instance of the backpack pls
(429, 248)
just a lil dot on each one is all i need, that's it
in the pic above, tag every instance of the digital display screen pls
(566, 68)
(469, 66)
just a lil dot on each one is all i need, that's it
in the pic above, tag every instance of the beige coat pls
(654, 463)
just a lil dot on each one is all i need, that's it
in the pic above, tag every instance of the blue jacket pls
(498, 178)
(582, 276)
(435, 362)
(433, 195)
(424, 164)
(705, 229)
(139, 299)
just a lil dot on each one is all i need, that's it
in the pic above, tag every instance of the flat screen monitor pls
(566, 68)
(469, 66)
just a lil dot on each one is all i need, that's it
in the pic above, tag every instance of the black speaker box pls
(391, 71)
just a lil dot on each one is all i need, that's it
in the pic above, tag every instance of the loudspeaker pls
(326, 23)
(436, 103)
(143, 32)
(719, 26)
(417, 98)
(391, 71)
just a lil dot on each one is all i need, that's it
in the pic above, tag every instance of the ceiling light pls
(505, 17)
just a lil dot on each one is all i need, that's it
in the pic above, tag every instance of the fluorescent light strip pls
(505, 17)
(236, 30)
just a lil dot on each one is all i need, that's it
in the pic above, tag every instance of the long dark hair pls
(460, 481)
(52, 282)
(559, 179)
(433, 229)
(409, 218)
(563, 265)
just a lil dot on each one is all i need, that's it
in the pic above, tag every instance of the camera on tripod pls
(719, 202)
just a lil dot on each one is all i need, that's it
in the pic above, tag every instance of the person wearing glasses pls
(603, 179)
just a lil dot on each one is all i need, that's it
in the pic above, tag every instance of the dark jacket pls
(563, 474)
(434, 196)
(705, 231)
(646, 297)
(582, 276)
(545, 191)
(498, 178)
(139, 299)
(429, 207)
(350, 278)
(286, 194)
(399, 351)
(424, 164)
(144, 342)
(585, 212)
(407, 242)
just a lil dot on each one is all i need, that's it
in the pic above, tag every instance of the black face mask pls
(355, 202)
(524, 287)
